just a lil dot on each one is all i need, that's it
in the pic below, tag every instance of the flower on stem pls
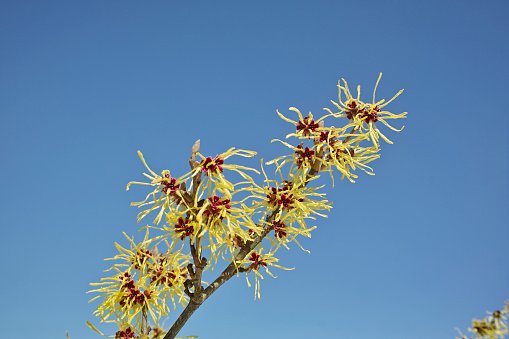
(167, 196)
(183, 228)
(307, 126)
(289, 205)
(346, 160)
(286, 233)
(484, 329)
(292, 198)
(363, 116)
(140, 258)
(328, 137)
(218, 207)
(279, 228)
(255, 261)
(304, 156)
(166, 274)
(213, 169)
(340, 148)
(224, 223)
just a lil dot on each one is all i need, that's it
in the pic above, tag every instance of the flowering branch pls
(231, 221)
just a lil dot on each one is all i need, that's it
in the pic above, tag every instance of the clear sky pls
(412, 252)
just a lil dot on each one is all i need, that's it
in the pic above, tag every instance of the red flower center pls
(307, 126)
(212, 166)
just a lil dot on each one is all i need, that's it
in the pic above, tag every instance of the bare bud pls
(196, 147)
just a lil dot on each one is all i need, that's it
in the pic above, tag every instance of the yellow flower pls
(168, 194)
(484, 329)
(213, 169)
(339, 147)
(291, 198)
(363, 116)
(221, 220)
(306, 126)
(255, 261)
(143, 281)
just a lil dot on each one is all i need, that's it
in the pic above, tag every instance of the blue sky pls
(412, 252)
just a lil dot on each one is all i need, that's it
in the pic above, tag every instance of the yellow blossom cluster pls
(341, 148)
(144, 280)
(494, 326)
(288, 202)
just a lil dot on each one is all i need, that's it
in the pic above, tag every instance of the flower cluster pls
(144, 280)
(492, 327)
(289, 203)
(340, 148)
(363, 116)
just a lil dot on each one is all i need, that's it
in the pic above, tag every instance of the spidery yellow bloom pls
(167, 196)
(256, 260)
(363, 116)
(143, 280)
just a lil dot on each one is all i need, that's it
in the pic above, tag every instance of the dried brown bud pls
(196, 147)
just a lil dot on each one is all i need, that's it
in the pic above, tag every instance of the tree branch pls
(198, 297)
(229, 272)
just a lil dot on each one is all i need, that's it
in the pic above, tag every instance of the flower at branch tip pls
(255, 261)
(305, 127)
(363, 116)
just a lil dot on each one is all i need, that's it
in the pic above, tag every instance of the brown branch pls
(144, 329)
(187, 285)
(198, 298)
(229, 272)
(350, 136)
